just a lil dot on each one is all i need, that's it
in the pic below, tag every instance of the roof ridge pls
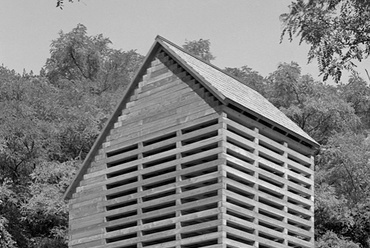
(183, 50)
(161, 38)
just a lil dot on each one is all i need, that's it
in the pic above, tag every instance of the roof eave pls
(310, 141)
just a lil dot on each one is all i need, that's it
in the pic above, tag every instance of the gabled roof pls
(224, 87)
(232, 90)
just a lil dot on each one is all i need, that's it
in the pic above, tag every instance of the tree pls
(200, 48)
(19, 142)
(48, 124)
(315, 107)
(6, 239)
(337, 31)
(89, 63)
(45, 126)
(331, 240)
(357, 93)
(342, 186)
(44, 213)
(76, 56)
(10, 231)
(248, 77)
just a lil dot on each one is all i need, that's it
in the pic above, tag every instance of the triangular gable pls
(223, 86)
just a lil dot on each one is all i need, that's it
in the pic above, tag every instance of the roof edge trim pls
(210, 64)
(309, 141)
(195, 74)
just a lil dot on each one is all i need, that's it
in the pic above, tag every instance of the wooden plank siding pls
(269, 187)
(180, 169)
(160, 157)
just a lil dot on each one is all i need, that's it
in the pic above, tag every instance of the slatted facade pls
(181, 169)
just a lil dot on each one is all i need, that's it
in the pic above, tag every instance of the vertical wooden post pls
(255, 186)
(222, 172)
(139, 199)
(178, 189)
(285, 189)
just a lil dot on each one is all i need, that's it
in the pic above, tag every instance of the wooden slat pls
(85, 211)
(268, 164)
(294, 145)
(269, 186)
(149, 128)
(164, 200)
(166, 187)
(240, 234)
(182, 96)
(270, 153)
(126, 141)
(235, 244)
(151, 214)
(86, 221)
(89, 244)
(74, 205)
(165, 222)
(86, 232)
(156, 156)
(214, 151)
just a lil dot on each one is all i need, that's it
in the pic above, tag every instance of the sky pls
(241, 32)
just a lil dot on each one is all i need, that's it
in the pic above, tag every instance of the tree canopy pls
(200, 48)
(48, 123)
(338, 32)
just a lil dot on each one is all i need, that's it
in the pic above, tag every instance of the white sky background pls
(242, 32)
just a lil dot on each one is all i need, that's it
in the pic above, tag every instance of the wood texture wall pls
(268, 187)
(145, 137)
(181, 171)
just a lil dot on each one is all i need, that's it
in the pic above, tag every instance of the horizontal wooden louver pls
(181, 170)
(166, 180)
(269, 178)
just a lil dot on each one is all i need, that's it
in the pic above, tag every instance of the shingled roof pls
(224, 87)
(232, 90)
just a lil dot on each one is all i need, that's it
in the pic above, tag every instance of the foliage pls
(48, 123)
(8, 202)
(11, 228)
(75, 55)
(248, 77)
(336, 30)
(200, 48)
(45, 215)
(336, 116)
(346, 162)
(357, 93)
(317, 108)
(6, 239)
(331, 240)
(342, 186)
(87, 60)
